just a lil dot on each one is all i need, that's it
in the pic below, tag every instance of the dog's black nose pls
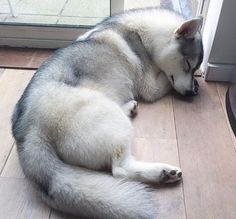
(190, 93)
(193, 92)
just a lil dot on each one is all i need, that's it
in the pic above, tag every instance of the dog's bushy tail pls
(97, 195)
(83, 192)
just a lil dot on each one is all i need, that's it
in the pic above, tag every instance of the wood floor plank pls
(207, 157)
(169, 199)
(12, 167)
(12, 84)
(23, 57)
(17, 200)
(156, 142)
(155, 120)
(39, 57)
(222, 89)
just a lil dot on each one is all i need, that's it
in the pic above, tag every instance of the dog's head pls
(182, 56)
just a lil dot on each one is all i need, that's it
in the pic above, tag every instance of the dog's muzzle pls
(193, 92)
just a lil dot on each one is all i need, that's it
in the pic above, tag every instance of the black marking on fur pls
(136, 45)
(192, 48)
(19, 110)
(43, 187)
(42, 184)
(17, 131)
(188, 66)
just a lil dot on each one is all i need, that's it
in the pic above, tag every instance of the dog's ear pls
(189, 28)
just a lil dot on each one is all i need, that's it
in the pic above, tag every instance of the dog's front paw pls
(171, 175)
(131, 108)
(134, 109)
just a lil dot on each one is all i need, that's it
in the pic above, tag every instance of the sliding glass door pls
(56, 23)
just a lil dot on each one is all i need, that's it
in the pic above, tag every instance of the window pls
(56, 23)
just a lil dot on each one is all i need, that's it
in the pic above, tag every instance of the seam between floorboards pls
(7, 158)
(177, 143)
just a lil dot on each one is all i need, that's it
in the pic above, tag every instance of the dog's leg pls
(146, 172)
(131, 108)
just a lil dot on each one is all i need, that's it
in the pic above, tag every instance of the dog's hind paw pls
(171, 175)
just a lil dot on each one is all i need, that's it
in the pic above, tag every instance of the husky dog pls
(72, 122)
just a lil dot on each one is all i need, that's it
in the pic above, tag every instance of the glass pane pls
(80, 12)
(189, 8)
(54, 12)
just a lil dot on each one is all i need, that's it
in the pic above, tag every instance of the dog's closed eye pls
(187, 66)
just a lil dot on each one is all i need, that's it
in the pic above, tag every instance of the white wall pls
(211, 22)
(219, 38)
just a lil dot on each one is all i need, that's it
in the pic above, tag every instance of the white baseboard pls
(220, 72)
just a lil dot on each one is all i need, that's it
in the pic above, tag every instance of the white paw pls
(131, 108)
(170, 174)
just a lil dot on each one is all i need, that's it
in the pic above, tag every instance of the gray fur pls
(192, 50)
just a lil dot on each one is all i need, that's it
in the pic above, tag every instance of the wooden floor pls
(194, 135)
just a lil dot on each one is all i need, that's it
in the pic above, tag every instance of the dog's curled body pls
(72, 120)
